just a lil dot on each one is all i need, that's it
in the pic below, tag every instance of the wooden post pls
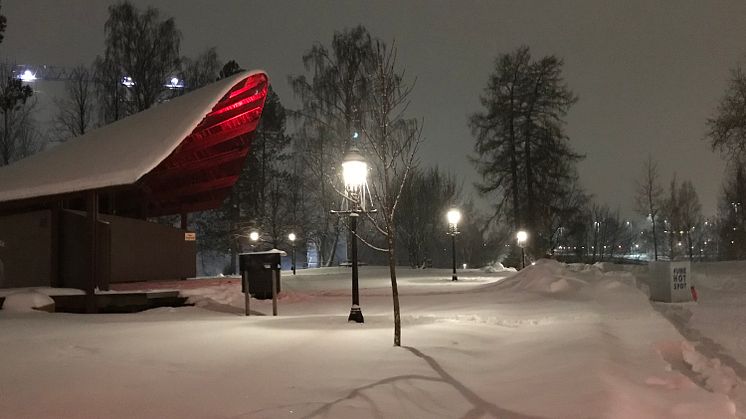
(247, 295)
(184, 220)
(92, 208)
(274, 291)
(54, 279)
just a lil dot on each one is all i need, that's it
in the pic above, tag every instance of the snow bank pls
(546, 275)
(497, 267)
(26, 301)
(722, 276)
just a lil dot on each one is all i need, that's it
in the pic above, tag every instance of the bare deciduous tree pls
(690, 214)
(16, 109)
(139, 45)
(648, 197)
(75, 109)
(333, 96)
(202, 70)
(392, 141)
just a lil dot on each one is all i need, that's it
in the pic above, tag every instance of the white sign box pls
(671, 282)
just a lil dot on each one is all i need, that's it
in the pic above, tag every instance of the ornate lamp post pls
(453, 216)
(355, 174)
(522, 239)
(291, 237)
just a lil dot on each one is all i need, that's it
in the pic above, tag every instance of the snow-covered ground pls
(550, 341)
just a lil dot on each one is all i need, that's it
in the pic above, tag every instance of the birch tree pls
(333, 95)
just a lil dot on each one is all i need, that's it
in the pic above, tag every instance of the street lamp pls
(291, 237)
(254, 237)
(355, 174)
(453, 216)
(522, 239)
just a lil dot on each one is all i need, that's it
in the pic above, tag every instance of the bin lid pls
(267, 252)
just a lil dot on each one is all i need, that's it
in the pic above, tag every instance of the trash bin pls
(670, 282)
(260, 268)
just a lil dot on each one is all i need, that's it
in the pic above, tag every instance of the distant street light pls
(291, 237)
(254, 237)
(453, 216)
(27, 76)
(174, 83)
(522, 240)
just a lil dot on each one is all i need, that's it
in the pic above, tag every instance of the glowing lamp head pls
(254, 236)
(27, 76)
(354, 170)
(291, 237)
(522, 238)
(174, 81)
(453, 216)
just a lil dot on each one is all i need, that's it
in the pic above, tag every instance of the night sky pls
(648, 74)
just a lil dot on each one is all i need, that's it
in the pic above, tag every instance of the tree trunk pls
(655, 239)
(6, 141)
(394, 288)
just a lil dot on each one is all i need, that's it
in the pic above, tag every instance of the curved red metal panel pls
(200, 172)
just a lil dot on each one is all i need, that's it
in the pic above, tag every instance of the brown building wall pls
(26, 249)
(74, 251)
(128, 250)
(144, 251)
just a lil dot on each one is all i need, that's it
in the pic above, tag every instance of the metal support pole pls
(247, 296)
(356, 315)
(453, 251)
(523, 259)
(293, 258)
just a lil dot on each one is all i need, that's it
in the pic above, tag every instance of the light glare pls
(354, 173)
(27, 76)
(454, 216)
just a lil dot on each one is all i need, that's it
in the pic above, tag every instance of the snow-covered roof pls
(117, 154)
(267, 252)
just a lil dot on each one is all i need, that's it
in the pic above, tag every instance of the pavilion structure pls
(75, 216)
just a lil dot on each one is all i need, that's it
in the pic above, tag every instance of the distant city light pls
(127, 81)
(27, 76)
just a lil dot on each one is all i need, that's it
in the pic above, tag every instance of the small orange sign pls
(190, 237)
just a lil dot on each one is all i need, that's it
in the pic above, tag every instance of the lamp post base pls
(454, 277)
(356, 315)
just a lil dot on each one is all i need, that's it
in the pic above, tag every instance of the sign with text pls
(670, 282)
(190, 237)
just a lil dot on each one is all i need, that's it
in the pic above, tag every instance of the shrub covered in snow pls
(26, 301)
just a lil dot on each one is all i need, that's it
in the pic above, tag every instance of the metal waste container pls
(670, 282)
(260, 268)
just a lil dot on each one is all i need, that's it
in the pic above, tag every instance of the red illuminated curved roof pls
(204, 167)
(180, 156)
